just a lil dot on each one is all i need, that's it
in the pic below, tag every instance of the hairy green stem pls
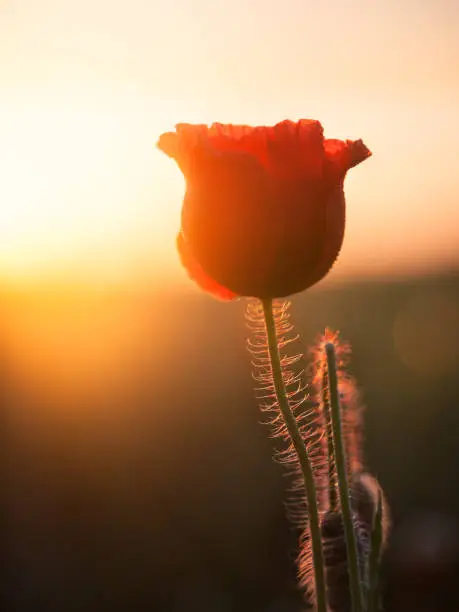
(343, 486)
(332, 488)
(303, 458)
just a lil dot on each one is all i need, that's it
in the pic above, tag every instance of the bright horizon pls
(87, 87)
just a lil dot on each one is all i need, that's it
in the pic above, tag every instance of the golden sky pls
(86, 86)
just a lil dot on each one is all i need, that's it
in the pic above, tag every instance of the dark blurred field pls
(136, 475)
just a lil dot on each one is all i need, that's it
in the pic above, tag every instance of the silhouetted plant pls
(263, 216)
(313, 414)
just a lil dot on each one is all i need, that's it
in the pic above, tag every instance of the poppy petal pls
(345, 154)
(296, 149)
(197, 274)
(168, 143)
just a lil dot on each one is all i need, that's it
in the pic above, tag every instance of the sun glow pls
(86, 88)
(82, 186)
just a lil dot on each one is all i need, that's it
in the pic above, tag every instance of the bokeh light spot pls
(426, 333)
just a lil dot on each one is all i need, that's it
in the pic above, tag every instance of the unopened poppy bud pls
(365, 493)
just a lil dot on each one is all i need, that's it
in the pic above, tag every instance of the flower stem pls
(300, 448)
(341, 471)
(332, 488)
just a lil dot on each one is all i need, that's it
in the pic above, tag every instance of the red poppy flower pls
(263, 214)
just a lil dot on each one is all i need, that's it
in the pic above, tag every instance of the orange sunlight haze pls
(87, 87)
